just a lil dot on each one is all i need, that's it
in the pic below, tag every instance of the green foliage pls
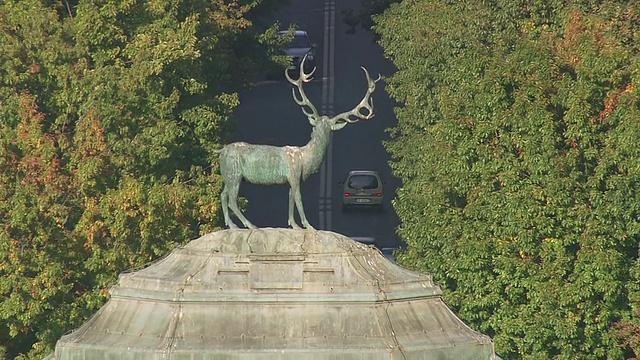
(371, 8)
(110, 111)
(517, 147)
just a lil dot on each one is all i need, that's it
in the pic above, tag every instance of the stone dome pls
(274, 294)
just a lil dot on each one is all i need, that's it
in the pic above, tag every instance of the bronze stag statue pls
(271, 165)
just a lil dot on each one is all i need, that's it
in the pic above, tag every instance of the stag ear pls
(338, 126)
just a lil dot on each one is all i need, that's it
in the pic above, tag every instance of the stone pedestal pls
(274, 294)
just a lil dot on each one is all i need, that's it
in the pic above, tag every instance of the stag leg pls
(224, 200)
(233, 204)
(292, 220)
(297, 198)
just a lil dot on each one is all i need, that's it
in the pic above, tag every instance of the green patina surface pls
(271, 165)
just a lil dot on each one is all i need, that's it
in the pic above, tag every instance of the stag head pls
(362, 111)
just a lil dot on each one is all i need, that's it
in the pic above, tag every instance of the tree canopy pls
(109, 112)
(517, 146)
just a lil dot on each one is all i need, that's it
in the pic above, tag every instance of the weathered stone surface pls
(274, 294)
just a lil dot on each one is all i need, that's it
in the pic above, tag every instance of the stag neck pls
(314, 151)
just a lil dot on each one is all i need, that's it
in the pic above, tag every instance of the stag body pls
(270, 165)
(267, 165)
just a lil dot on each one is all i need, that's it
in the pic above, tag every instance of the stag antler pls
(304, 100)
(365, 104)
(345, 117)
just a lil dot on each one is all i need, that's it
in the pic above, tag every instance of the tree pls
(110, 111)
(517, 148)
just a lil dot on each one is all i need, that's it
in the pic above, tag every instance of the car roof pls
(295, 33)
(364, 239)
(363, 172)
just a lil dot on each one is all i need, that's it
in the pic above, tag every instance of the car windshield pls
(300, 42)
(363, 182)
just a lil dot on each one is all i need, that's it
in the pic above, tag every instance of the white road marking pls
(324, 203)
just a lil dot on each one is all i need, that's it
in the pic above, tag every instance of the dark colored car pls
(300, 47)
(364, 240)
(389, 253)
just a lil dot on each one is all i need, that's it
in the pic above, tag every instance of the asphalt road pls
(268, 115)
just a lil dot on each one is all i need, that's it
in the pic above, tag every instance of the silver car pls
(362, 188)
(300, 47)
